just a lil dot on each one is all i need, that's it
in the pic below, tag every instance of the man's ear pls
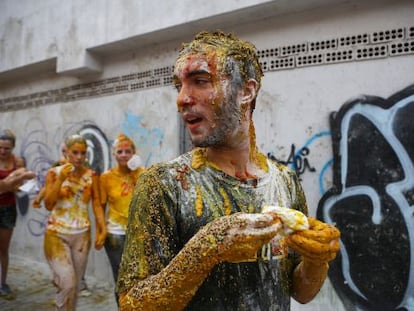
(250, 91)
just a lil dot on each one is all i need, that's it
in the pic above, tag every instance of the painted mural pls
(372, 202)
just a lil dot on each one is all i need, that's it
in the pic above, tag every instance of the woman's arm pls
(99, 214)
(54, 183)
(15, 179)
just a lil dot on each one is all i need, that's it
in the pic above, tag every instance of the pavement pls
(33, 290)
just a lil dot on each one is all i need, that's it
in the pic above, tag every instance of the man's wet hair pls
(236, 55)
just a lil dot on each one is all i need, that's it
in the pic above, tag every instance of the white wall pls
(293, 106)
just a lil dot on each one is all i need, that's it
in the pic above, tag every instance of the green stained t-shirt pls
(173, 200)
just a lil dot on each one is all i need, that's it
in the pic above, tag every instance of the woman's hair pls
(123, 138)
(8, 135)
(73, 139)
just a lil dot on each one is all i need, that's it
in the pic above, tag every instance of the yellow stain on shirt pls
(226, 202)
(199, 202)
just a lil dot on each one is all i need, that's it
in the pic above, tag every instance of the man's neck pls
(236, 162)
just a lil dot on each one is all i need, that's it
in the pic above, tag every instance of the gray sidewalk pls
(33, 290)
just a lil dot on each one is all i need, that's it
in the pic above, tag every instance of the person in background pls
(37, 201)
(16, 179)
(197, 235)
(69, 188)
(116, 189)
(9, 172)
(84, 290)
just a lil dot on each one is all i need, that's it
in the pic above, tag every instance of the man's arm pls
(318, 246)
(153, 276)
(233, 238)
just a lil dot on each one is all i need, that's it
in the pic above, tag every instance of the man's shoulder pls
(281, 168)
(169, 167)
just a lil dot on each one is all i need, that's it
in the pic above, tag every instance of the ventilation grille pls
(350, 48)
(356, 47)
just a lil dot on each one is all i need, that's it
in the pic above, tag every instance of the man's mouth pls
(191, 119)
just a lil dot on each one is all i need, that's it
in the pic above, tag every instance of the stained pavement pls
(33, 290)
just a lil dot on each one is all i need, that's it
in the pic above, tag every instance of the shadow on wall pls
(372, 202)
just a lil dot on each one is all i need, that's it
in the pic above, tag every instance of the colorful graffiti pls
(372, 202)
(146, 139)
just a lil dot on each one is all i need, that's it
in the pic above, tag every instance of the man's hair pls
(233, 51)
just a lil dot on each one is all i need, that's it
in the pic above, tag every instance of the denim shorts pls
(8, 216)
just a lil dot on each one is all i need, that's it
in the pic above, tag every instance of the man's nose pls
(185, 97)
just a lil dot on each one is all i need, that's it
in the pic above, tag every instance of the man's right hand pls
(239, 236)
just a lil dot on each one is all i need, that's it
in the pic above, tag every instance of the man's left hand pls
(318, 244)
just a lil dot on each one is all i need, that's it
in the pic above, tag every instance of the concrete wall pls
(102, 67)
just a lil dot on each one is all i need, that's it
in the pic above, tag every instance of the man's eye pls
(203, 80)
(177, 87)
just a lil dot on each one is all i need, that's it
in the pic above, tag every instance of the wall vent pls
(354, 47)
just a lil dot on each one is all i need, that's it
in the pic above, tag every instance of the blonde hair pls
(73, 139)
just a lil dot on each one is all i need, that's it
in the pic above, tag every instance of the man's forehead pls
(197, 62)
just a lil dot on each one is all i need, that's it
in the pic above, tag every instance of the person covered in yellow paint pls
(116, 188)
(69, 189)
(202, 232)
(38, 199)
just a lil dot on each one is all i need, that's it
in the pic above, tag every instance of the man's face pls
(205, 100)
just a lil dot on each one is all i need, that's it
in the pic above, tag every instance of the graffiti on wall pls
(149, 139)
(40, 147)
(299, 162)
(372, 202)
